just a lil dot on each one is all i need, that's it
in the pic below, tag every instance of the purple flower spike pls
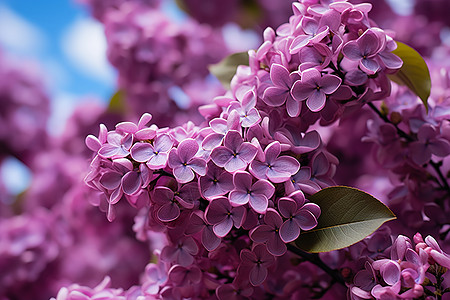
(364, 50)
(269, 233)
(257, 194)
(223, 216)
(258, 260)
(279, 94)
(217, 182)
(235, 154)
(154, 155)
(184, 163)
(314, 87)
(428, 143)
(276, 169)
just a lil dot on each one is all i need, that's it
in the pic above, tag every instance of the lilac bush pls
(214, 194)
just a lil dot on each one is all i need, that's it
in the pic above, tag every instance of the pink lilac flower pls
(270, 234)
(140, 131)
(220, 127)
(299, 215)
(274, 167)
(197, 223)
(248, 114)
(154, 155)
(181, 252)
(223, 216)
(169, 200)
(101, 291)
(313, 87)
(428, 143)
(237, 290)
(314, 33)
(257, 194)
(364, 50)
(280, 92)
(315, 56)
(182, 275)
(297, 141)
(117, 145)
(184, 163)
(217, 182)
(257, 261)
(154, 277)
(235, 154)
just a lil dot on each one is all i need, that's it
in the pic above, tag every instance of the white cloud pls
(18, 35)
(238, 39)
(402, 7)
(84, 44)
(62, 106)
(15, 176)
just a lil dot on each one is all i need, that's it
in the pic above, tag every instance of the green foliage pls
(226, 68)
(117, 103)
(348, 216)
(414, 73)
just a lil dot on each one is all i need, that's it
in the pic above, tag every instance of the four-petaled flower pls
(155, 155)
(280, 92)
(217, 182)
(298, 214)
(257, 194)
(269, 233)
(223, 216)
(364, 50)
(313, 87)
(184, 163)
(257, 260)
(235, 154)
(428, 143)
(276, 169)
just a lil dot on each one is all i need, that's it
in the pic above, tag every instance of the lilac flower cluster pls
(405, 273)
(205, 187)
(25, 109)
(413, 147)
(218, 205)
(27, 247)
(327, 60)
(238, 183)
(160, 62)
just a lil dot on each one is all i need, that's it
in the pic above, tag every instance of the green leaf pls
(348, 216)
(414, 73)
(225, 69)
(117, 102)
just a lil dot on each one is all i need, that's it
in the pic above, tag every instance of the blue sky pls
(69, 47)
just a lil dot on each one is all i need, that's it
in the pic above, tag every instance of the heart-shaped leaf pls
(348, 216)
(226, 68)
(414, 72)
